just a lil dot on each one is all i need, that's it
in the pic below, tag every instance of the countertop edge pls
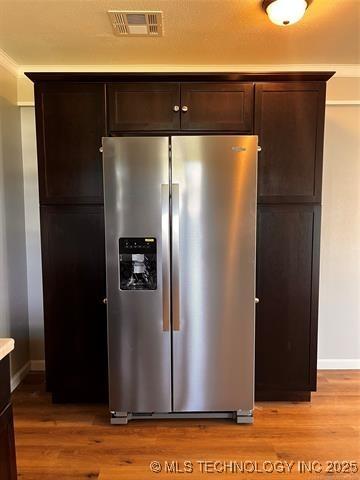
(7, 345)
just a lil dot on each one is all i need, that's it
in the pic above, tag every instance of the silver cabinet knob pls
(176, 108)
(101, 149)
(104, 301)
(257, 300)
(184, 108)
(259, 149)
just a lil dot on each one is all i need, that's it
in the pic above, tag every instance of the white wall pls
(339, 308)
(13, 278)
(32, 228)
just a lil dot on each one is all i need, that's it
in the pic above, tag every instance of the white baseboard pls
(340, 102)
(19, 376)
(339, 364)
(323, 364)
(37, 365)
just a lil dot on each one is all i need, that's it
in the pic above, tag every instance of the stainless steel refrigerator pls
(180, 219)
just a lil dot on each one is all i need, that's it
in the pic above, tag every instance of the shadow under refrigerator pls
(180, 221)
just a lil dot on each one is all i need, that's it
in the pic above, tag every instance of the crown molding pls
(342, 70)
(26, 104)
(9, 64)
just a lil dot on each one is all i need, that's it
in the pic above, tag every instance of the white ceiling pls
(196, 32)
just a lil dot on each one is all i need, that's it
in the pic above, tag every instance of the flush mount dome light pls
(285, 12)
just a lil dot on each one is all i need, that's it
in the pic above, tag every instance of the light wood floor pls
(61, 442)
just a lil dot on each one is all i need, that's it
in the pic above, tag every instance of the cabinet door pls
(4, 382)
(287, 286)
(73, 255)
(289, 120)
(7, 445)
(217, 106)
(70, 124)
(143, 106)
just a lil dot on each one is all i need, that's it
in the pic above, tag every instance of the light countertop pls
(6, 346)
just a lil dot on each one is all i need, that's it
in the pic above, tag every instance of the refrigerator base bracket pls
(122, 418)
(119, 418)
(244, 416)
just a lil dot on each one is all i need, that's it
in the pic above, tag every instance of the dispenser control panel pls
(137, 260)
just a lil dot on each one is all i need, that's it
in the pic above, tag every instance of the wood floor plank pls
(74, 442)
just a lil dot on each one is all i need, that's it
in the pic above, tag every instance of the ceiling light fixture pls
(285, 12)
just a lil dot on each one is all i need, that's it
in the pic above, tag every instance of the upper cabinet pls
(217, 106)
(289, 120)
(70, 123)
(197, 106)
(143, 106)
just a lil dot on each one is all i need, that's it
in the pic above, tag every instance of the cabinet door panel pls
(70, 123)
(143, 106)
(4, 382)
(217, 106)
(289, 120)
(7, 445)
(74, 287)
(287, 285)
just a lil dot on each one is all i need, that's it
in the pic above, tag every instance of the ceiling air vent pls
(136, 23)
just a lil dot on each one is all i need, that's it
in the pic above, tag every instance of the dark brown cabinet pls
(286, 111)
(7, 445)
(70, 123)
(143, 106)
(75, 315)
(180, 106)
(217, 106)
(289, 120)
(287, 273)
(7, 438)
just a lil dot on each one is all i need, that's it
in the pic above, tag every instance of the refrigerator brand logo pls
(238, 149)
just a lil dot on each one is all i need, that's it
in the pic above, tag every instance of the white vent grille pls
(136, 23)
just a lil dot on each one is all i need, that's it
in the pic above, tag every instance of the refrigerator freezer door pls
(213, 274)
(136, 186)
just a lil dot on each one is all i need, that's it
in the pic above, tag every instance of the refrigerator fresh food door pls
(136, 189)
(213, 272)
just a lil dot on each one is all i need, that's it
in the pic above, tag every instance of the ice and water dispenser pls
(137, 258)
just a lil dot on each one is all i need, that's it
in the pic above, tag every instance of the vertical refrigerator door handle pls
(165, 256)
(175, 199)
